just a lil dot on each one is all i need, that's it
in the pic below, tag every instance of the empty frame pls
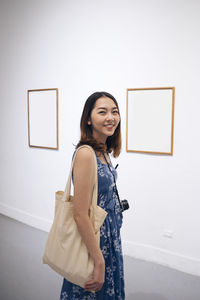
(43, 118)
(150, 120)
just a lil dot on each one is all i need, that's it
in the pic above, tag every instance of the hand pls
(98, 278)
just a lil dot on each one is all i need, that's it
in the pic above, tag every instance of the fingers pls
(89, 282)
(93, 286)
(98, 278)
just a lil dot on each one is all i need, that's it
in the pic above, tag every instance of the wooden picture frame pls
(43, 118)
(150, 120)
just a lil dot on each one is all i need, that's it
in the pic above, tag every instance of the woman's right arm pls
(83, 174)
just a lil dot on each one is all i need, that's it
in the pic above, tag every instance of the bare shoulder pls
(85, 154)
(84, 164)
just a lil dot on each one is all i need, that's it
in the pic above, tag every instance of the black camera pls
(124, 205)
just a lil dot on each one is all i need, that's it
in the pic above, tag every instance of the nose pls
(109, 116)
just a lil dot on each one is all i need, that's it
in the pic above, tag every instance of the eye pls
(115, 112)
(102, 112)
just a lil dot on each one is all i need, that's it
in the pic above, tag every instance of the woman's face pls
(104, 119)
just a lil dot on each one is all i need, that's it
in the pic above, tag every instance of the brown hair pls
(113, 143)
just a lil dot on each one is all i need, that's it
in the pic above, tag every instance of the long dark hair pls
(113, 143)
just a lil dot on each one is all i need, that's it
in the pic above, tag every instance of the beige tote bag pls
(65, 251)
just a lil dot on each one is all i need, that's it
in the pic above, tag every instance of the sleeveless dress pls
(110, 244)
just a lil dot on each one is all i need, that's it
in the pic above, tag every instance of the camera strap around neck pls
(114, 181)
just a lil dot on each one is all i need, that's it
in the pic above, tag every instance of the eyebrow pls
(115, 107)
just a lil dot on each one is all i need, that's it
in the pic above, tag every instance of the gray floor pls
(24, 277)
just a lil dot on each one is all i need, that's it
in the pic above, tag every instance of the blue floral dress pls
(110, 244)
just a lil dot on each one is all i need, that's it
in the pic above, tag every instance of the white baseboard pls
(25, 217)
(144, 252)
(163, 257)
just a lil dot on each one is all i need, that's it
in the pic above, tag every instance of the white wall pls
(82, 46)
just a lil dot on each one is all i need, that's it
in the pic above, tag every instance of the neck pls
(100, 139)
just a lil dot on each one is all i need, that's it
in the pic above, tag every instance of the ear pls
(89, 122)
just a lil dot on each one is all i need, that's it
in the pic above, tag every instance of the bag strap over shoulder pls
(66, 195)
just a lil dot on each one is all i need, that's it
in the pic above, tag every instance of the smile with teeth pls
(109, 126)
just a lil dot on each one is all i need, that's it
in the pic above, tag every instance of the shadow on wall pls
(145, 296)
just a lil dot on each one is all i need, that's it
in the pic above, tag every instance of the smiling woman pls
(100, 128)
(104, 119)
(101, 109)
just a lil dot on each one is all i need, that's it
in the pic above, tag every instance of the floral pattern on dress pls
(110, 244)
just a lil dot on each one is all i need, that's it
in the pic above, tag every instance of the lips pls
(109, 126)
